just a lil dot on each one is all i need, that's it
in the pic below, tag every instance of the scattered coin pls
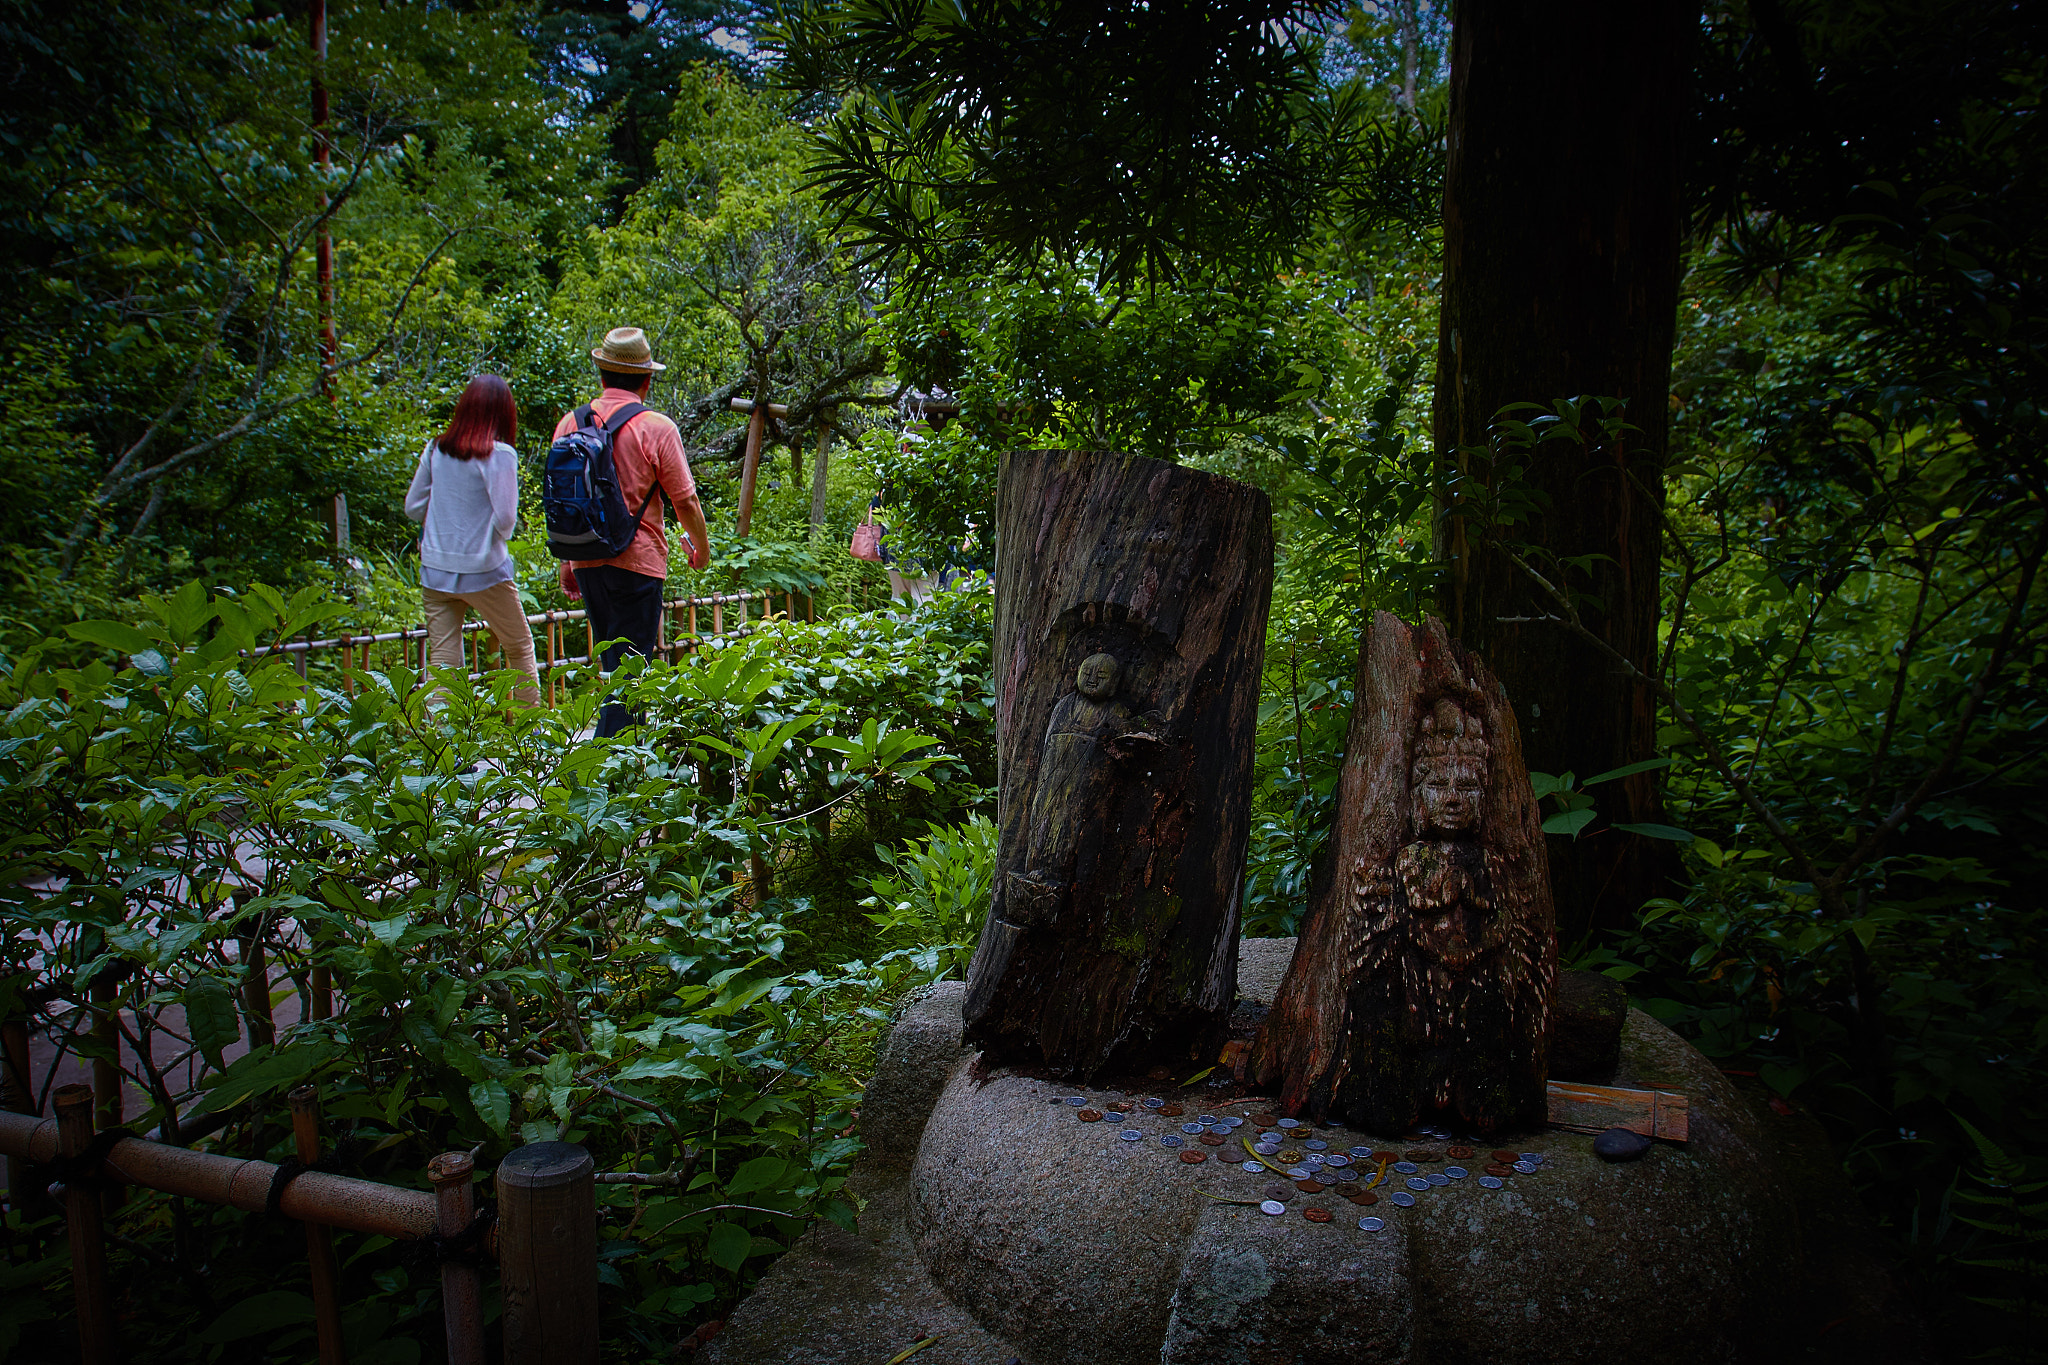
(1417, 1183)
(1364, 1198)
(1253, 1168)
(1507, 1158)
(1290, 1123)
(1120, 1106)
(1460, 1153)
(1280, 1192)
(1131, 1135)
(1371, 1224)
(1456, 1172)
(1336, 1159)
(1386, 1156)
(1361, 1152)
(1272, 1206)
(1317, 1145)
(1266, 1149)
(1191, 1128)
(1290, 1155)
(1309, 1186)
(1194, 1158)
(1497, 1170)
(1425, 1154)
(1264, 1120)
(1205, 1119)
(1491, 1182)
(1437, 1178)
(1078, 1101)
(1210, 1140)
(1313, 1161)
(1172, 1140)
(1316, 1215)
(1233, 1122)
(1533, 1158)
(1406, 1167)
(1172, 1111)
(1154, 1102)
(1402, 1199)
(1347, 1188)
(1525, 1167)
(1089, 1115)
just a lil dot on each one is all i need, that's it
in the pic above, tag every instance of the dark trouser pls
(624, 607)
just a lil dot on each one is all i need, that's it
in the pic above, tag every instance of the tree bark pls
(1422, 981)
(1562, 218)
(1124, 789)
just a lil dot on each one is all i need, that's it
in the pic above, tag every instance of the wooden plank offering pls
(1131, 600)
(1596, 1108)
(1421, 986)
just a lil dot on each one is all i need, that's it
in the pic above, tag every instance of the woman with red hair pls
(465, 495)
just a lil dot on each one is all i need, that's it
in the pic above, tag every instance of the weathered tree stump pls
(1422, 981)
(1131, 601)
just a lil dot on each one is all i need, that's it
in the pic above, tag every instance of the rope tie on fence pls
(465, 1247)
(82, 1172)
(288, 1170)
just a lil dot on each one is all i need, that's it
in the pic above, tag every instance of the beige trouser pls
(500, 608)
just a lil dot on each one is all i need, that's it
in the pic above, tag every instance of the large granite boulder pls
(999, 1219)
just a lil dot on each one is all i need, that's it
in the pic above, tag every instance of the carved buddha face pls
(1097, 678)
(1449, 794)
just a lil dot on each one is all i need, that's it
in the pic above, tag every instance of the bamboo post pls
(553, 636)
(461, 1286)
(256, 992)
(547, 1254)
(718, 616)
(305, 1103)
(88, 1239)
(348, 658)
(750, 467)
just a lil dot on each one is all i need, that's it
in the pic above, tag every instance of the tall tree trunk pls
(1124, 782)
(1562, 219)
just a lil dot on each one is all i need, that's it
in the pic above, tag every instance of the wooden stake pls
(305, 1103)
(461, 1288)
(96, 1345)
(750, 467)
(256, 992)
(547, 1254)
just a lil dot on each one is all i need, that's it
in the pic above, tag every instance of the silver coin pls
(1254, 1167)
(1172, 1140)
(1419, 1184)
(1233, 1121)
(1220, 1129)
(1437, 1178)
(1299, 1172)
(1525, 1166)
(1456, 1172)
(1533, 1158)
(1371, 1224)
(1192, 1128)
(1272, 1206)
(1290, 1123)
(1155, 1103)
(1491, 1182)
(1336, 1159)
(1205, 1119)
(1131, 1135)
(1361, 1152)
(1316, 1145)
(1406, 1167)
(1267, 1149)
(1077, 1101)
(1314, 1163)
(1402, 1199)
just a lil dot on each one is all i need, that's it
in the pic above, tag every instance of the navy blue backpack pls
(579, 493)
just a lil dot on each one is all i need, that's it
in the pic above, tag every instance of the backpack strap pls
(585, 417)
(613, 426)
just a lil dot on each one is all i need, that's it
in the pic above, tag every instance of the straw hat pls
(625, 351)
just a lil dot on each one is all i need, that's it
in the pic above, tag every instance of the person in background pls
(623, 594)
(465, 495)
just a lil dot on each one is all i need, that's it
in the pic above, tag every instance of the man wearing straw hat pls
(623, 594)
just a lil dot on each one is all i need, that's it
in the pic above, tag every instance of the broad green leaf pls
(493, 1104)
(211, 1015)
(762, 1173)
(1568, 822)
(1652, 831)
(112, 634)
(728, 1244)
(1627, 770)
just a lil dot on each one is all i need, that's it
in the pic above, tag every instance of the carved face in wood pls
(1448, 781)
(1097, 677)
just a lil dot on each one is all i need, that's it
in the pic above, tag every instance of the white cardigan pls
(468, 509)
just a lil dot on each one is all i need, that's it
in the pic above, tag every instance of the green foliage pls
(535, 936)
(936, 893)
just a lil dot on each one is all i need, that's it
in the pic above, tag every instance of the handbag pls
(867, 539)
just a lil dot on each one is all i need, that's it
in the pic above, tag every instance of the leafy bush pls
(936, 893)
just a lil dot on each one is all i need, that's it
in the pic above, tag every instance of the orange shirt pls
(648, 446)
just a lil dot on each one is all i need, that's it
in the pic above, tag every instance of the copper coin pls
(1316, 1215)
(1124, 1107)
(1279, 1192)
(1498, 1169)
(1172, 1111)
(1210, 1140)
(1265, 1120)
(1386, 1156)
(1425, 1154)
(1347, 1188)
(1363, 1197)
(1507, 1158)
(1460, 1153)
(1088, 1115)
(1309, 1186)
(1290, 1156)
(1194, 1158)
